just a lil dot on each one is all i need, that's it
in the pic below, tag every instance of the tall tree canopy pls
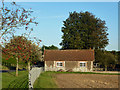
(83, 31)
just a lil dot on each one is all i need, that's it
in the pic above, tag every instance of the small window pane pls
(59, 64)
(82, 64)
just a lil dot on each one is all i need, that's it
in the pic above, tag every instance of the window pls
(59, 64)
(82, 64)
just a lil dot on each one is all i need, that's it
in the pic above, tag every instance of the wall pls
(33, 75)
(74, 65)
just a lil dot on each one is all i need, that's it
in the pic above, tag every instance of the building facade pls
(75, 60)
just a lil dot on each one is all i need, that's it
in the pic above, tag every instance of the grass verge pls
(45, 80)
(85, 73)
(9, 80)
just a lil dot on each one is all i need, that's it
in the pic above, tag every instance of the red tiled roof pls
(69, 55)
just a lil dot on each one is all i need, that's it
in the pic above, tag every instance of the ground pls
(86, 81)
(9, 80)
(76, 80)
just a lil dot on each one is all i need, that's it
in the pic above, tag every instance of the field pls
(9, 80)
(86, 81)
(76, 80)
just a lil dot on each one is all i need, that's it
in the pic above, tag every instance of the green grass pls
(9, 80)
(45, 80)
(87, 73)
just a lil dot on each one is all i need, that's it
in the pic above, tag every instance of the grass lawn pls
(90, 73)
(48, 80)
(45, 80)
(9, 80)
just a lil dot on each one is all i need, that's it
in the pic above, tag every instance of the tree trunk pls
(105, 67)
(17, 67)
(28, 65)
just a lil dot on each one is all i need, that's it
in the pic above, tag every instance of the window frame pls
(60, 62)
(84, 64)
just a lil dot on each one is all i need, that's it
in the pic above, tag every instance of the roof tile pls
(69, 55)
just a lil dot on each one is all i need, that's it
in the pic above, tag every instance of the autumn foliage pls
(20, 47)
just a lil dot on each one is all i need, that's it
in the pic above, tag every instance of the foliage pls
(105, 58)
(118, 57)
(20, 47)
(52, 47)
(36, 54)
(14, 17)
(83, 31)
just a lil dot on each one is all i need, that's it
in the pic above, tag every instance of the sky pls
(50, 17)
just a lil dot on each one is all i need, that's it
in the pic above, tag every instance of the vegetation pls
(52, 47)
(21, 49)
(45, 80)
(83, 31)
(10, 81)
(14, 18)
(87, 73)
(17, 47)
(106, 59)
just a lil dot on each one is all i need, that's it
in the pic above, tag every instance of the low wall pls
(34, 74)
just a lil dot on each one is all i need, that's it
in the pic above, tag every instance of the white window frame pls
(83, 64)
(60, 62)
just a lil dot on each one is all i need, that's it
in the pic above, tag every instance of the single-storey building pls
(75, 60)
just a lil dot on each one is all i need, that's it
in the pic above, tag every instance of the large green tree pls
(83, 31)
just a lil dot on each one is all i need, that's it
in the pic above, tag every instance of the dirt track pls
(86, 81)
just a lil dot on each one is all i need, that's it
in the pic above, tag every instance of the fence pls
(33, 75)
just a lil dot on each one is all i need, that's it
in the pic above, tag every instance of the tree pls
(83, 31)
(13, 18)
(21, 48)
(36, 54)
(52, 47)
(105, 58)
